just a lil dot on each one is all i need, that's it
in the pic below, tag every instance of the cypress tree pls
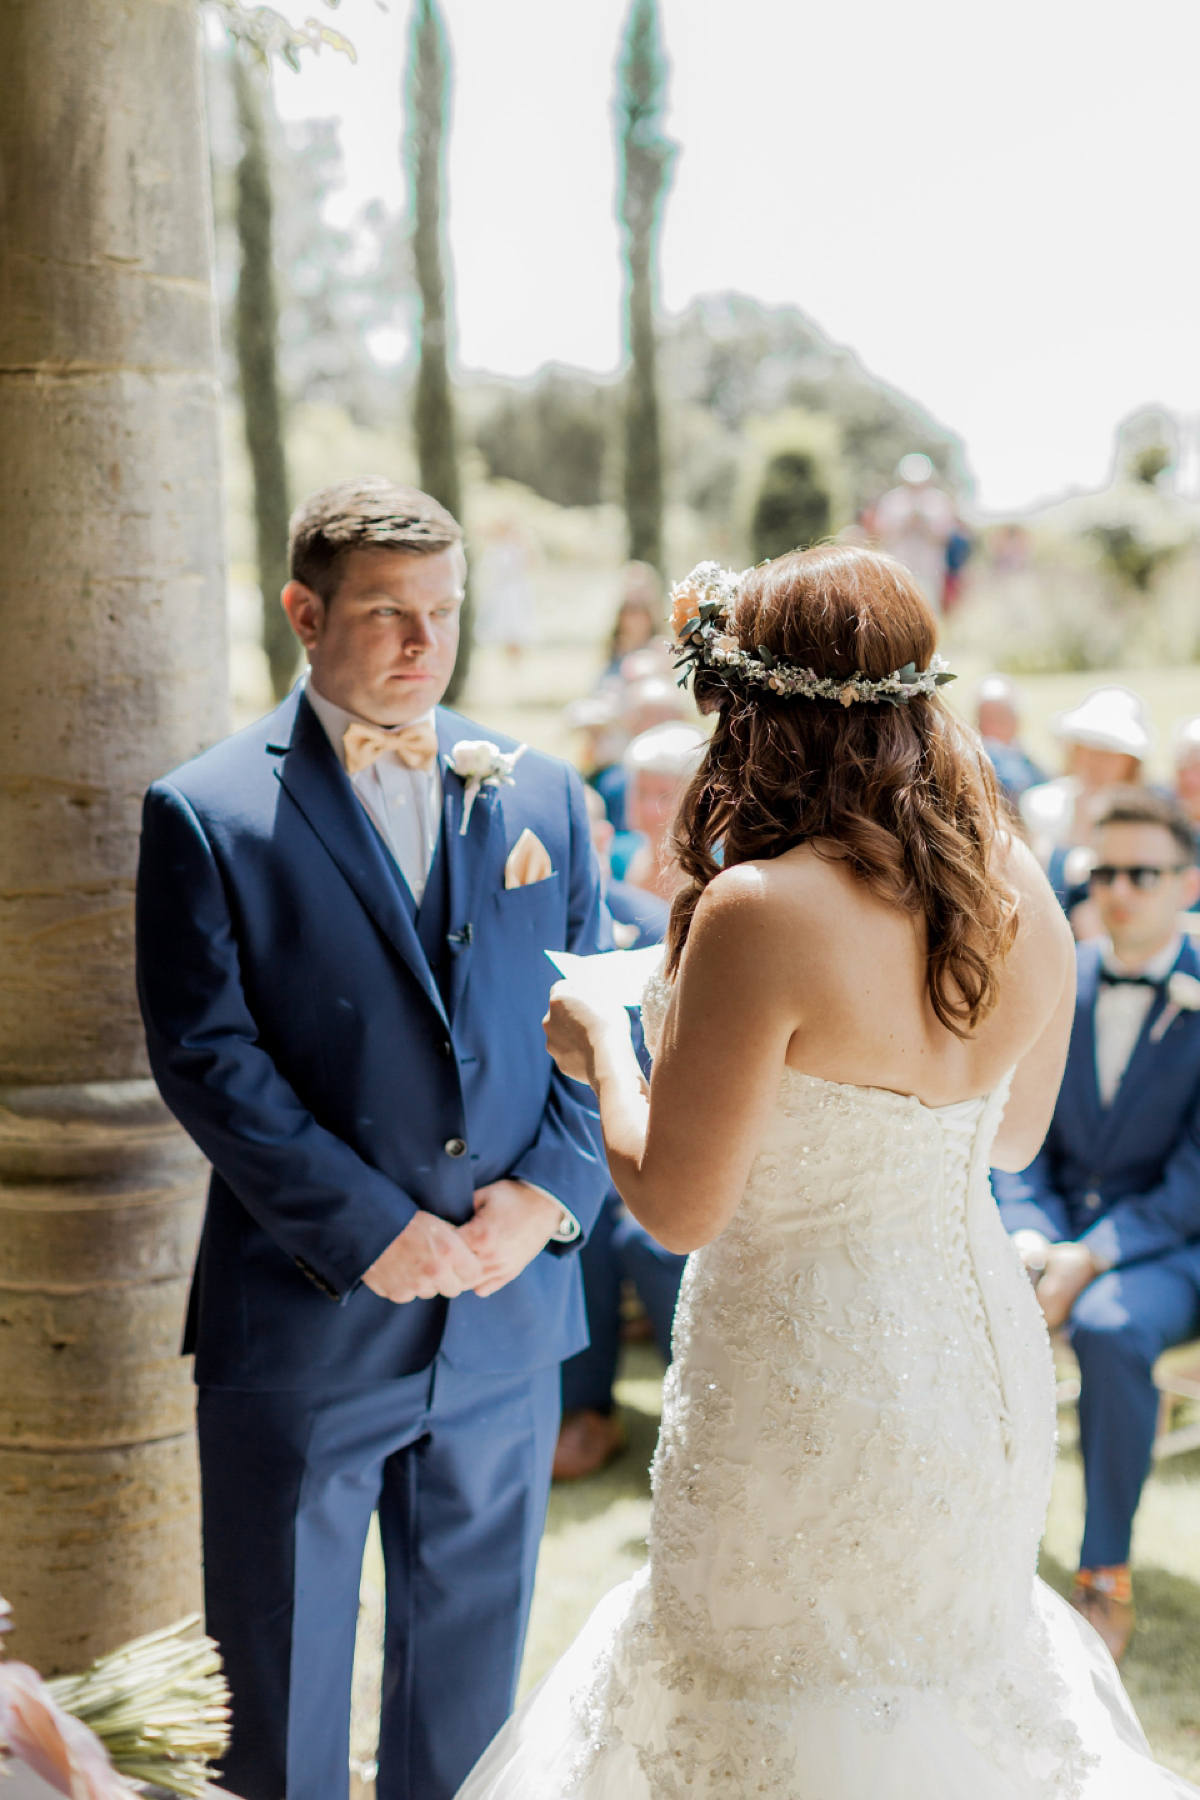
(256, 335)
(645, 159)
(428, 87)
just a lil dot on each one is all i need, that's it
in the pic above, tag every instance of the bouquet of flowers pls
(154, 1713)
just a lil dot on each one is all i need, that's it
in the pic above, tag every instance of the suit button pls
(445, 1046)
(1091, 1201)
(455, 1147)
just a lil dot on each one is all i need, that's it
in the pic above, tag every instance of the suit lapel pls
(314, 778)
(1139, 1070)
(467, 858)
(1080, 1074)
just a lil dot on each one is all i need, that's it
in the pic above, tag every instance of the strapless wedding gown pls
(851, 1480)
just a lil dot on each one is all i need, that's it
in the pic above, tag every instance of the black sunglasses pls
(1142, 875)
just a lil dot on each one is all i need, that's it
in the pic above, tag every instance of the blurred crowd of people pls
(1105, 743)
(638, 741)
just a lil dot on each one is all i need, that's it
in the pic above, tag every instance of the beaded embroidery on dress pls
(849, 1489)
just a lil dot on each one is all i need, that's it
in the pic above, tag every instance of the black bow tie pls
(1110, 979)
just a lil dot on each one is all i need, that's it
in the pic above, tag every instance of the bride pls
(868, 995)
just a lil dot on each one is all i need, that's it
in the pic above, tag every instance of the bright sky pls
(993, 203)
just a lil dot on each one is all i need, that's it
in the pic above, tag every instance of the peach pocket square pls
(528, 861)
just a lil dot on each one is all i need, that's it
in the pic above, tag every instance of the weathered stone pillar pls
(112, 668)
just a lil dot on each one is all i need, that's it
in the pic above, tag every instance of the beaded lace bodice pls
(856, 1452)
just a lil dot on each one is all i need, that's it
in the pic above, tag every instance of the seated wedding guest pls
(601, 739)
(1105, 740)
(1109, 1211)
(619, 1249)
(657, 765)
(998, 708)
(640, 704)
(639, 918)
(1186, 759)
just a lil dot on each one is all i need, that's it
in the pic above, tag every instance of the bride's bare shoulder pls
(791, 896)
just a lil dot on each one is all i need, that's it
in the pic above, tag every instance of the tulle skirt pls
(559, 1746)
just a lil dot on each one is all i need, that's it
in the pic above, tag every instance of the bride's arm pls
(681, 1169)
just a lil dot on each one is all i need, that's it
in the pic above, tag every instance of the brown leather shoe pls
(1105, 1598)
(586, 1442)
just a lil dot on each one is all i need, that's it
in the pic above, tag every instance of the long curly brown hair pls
(903, 793)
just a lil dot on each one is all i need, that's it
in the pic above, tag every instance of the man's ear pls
(1191, 887)
(305, 610)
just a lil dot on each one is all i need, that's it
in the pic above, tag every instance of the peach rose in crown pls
(685, 604)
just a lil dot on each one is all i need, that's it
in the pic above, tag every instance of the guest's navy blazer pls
(1125, 1178)
(343, 1059)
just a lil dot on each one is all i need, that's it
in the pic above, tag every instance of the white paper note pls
(611, 978)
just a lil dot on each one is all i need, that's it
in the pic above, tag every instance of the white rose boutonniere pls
(1183, 995)
(481, 764)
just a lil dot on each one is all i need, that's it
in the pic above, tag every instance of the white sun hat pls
(1186, 740)
(671, 749)
(1110, 718)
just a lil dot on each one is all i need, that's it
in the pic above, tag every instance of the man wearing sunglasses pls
(1107, 1218)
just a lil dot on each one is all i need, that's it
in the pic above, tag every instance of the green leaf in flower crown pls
(765, 656)
(692, 625)
(942, 677)
(907, 673)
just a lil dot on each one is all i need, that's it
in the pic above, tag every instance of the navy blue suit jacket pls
(1123, 1178)
(297, 1031)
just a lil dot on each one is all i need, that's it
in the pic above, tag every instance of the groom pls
(342, 977)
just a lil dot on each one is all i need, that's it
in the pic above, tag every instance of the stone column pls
(113, 668)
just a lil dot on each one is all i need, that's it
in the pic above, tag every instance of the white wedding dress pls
(850, 1484)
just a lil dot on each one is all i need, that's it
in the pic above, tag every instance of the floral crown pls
(701, 605)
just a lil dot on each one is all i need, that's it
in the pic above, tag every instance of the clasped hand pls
(1061, 1272)
(511, 1223)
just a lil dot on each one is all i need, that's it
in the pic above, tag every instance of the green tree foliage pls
(428, 87)
(793, 507)
(552, 436)
(256, 338)
(729, 360)
(645, 157)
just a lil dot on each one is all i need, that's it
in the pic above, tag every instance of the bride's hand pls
(575, 1028)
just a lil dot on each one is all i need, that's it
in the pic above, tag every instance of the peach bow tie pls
(362, 745)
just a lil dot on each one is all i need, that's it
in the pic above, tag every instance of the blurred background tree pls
(792, 510)
(256, 337)
(552, 437)
(645, 159)
(426, 99)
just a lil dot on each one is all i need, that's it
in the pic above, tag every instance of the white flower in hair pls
(480, 763)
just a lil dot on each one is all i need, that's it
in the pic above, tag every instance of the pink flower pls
(57, 1747)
